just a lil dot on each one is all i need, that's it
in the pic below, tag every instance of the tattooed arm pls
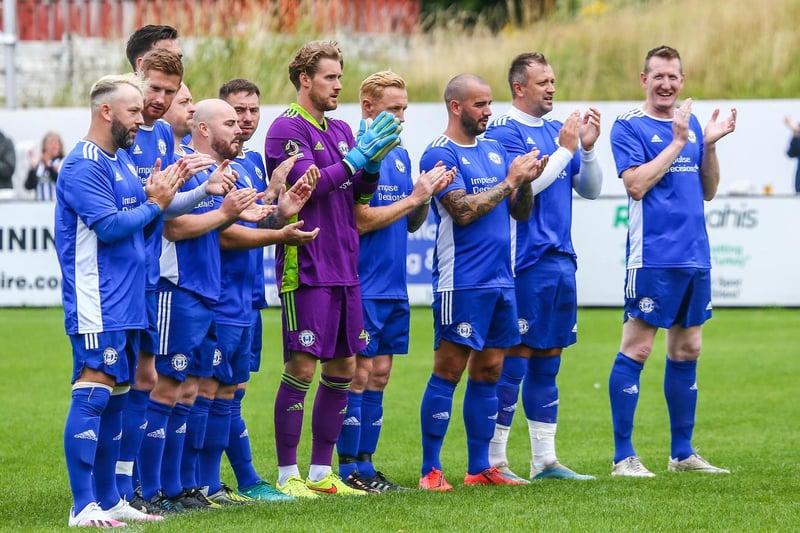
(466, 208)
(522, 202)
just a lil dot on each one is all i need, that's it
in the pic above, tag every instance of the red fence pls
(49, 20)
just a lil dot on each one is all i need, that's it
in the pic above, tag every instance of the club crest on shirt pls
(110, 356)
(291, 147)
(162, 147)
(217, 357)
(259, 174)
(522, 324)
(692, 137)
(179, 362)
(495, 158)
(464, 329)
(343, 148)
(306, 338)
(400, 166)
(646, 305)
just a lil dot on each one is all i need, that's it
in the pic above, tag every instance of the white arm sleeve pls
(185, 202)
(589, 180)
(558, 161)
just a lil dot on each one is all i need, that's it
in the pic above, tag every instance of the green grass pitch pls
(748, 421)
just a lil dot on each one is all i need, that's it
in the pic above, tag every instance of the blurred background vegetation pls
(730, 49)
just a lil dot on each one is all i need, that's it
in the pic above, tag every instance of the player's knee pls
(687, 351)
(378, 381)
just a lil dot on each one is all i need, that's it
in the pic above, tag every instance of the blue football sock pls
(216, 440)
(81, 432)
(434, 413)
(238, 450)
(371, 424)
(193, 445)
(151, 452)
(680, 390)
(350, 436)
(134, 422)
(173, 450)
(539, 390)
(508, 388)
(480, 411)
(623, 391)
(108, 443)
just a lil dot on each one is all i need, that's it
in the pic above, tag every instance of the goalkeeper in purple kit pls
(323, 274)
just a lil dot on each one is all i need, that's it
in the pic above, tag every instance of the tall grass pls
(730, 50)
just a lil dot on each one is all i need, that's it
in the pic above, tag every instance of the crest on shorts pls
(522, 325)
(646, 305)
(464, 329)
(365, 336)
(110, 356)
(217, 357)
(307, 338)
(179, 362)
(291, 147)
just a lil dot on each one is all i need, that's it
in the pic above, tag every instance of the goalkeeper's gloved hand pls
(374, 140)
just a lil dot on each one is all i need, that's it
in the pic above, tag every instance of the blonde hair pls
(375, 84)
(106, 88)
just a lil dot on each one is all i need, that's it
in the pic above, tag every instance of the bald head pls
(216, 131)
(206, 110)
(460, 87)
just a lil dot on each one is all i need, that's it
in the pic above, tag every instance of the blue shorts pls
(326, 322)
(547, 302)
(257, 343)
(388, 324)
(149, 337)
(663, 297)
(187, 335)
(111, 352)
(232, 356)
(478, 318)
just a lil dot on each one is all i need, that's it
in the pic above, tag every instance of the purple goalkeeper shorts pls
(326, 322)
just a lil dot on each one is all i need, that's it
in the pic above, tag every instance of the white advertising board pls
(755, 253)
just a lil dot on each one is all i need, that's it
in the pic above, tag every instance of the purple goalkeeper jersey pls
(332, 258)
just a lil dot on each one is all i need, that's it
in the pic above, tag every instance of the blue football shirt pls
(666, 228)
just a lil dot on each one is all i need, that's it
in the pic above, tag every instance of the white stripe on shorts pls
(630, 287)
(164, 314)
(447, 307)
(90, 341)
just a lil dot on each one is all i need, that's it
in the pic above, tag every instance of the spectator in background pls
(8, 161)
(794, 149)
(44, 169)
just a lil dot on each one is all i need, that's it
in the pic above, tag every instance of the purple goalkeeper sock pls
(326, 420)
(288, 416)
